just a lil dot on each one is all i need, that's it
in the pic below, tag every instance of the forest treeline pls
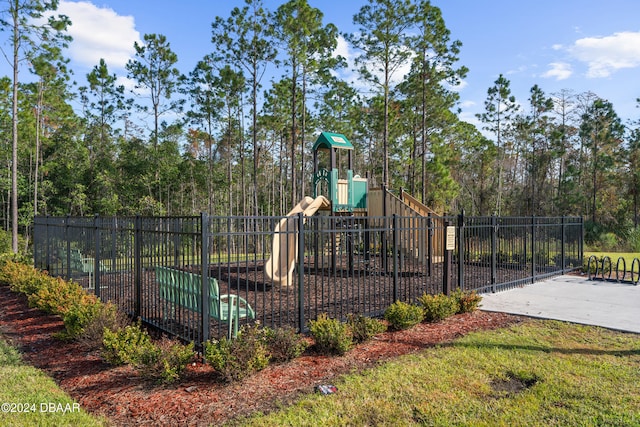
(222, 139)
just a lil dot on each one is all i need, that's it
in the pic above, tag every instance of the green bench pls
(80, 263)
(182, 288)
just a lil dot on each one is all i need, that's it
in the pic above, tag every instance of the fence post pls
(385, 226)
(562, 248)
(301, 317)
(334, 242)
(461, 250)
(395, 251)
(581, 245)
(494, 252)
(137, 261)
(48, 246)
(114, 241)
(446, 275)
(204, 270)
(96, 257)
(429, 244)
(533, 249)
(68, 254)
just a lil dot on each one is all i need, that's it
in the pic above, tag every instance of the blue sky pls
(579, 45)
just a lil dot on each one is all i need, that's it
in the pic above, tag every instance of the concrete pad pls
(573, 299)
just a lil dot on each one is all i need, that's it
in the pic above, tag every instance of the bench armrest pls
(238, 301)
(87, 264)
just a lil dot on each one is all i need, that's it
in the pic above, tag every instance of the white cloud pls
(99, 33)
(350, 74)
(343, 49)
(128, 84)
(467, 104)
(606, 55)
(519, 70)
(463, 84)
(559, 71)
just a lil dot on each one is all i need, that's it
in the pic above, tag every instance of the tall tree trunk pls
(385, 132)
(303, 126)
(254, 137)
(37, 163)
(594, 182)
(14, 123)
(294, 177)
(423, 131)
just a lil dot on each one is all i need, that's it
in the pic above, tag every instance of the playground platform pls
(573, 298)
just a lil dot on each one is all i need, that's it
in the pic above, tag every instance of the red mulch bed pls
(202, 398)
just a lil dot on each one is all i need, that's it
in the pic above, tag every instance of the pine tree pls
(26, 35)
(382, 37)
(500, 107)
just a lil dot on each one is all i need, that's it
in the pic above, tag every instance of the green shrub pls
(402, 315)
(107, 316)
(599, 264)
(219, 354)
(240, 357)
(331, 335)
(57, 296)
(5, 242)
(585, 265)
(438, 307)
(6, 252)
(467, 302)
(165, 361)
(603, 241)
(130, 345)
(21, 277)
(284, 343)
(609, 241)
(52, 295)
(633, 240)
(364, 328)
(79, 315)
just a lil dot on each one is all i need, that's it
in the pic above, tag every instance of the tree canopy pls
(222, 139)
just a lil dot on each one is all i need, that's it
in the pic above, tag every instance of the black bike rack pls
(602, 269)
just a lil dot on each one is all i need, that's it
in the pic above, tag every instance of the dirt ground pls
(202, 398)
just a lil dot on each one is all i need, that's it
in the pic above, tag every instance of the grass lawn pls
(628, 257)
(537, 373)
(28, 397)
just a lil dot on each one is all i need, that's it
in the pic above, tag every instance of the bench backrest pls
(81, 263)
(183, 288)
(75, 257)
(167, 283)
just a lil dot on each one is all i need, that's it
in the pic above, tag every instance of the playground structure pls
(339, 193)
(334, 179)
(280, 265)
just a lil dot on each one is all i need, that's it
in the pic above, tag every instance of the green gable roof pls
(332, 140)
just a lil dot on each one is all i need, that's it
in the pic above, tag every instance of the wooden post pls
(449, 246)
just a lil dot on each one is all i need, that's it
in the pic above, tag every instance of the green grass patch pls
(628, 257)
(627, 266)
(536, 373)
(28, 397)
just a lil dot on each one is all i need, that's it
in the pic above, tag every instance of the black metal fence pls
(310, 265)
